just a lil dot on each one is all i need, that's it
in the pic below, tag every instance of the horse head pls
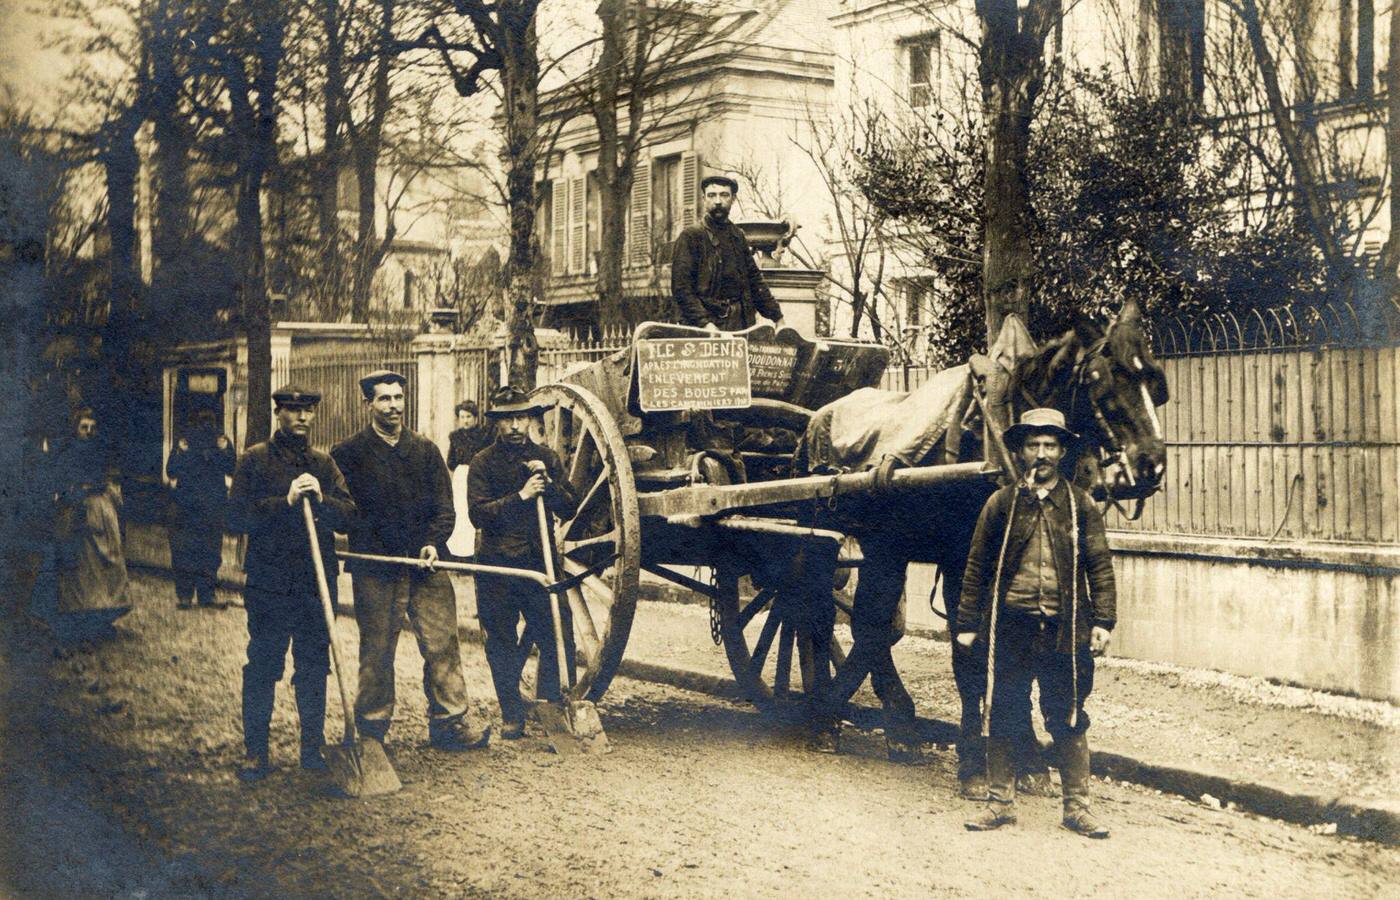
(1109, 386)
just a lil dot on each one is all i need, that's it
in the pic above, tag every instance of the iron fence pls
(335, 371)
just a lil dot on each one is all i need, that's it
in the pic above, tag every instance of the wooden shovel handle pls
(323, 588)
(547, 551)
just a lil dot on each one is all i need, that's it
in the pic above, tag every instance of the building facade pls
(743, 103)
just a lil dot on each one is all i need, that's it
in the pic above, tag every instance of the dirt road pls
(700, 798)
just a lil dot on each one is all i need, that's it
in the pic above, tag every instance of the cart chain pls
(714, 607)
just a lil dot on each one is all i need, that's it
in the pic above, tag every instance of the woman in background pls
(92, 579)
(465, 442)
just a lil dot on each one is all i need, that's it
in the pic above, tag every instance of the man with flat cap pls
(714, 279)
(404, 497)
(504, 480)
(280, 595)
(1038, 593)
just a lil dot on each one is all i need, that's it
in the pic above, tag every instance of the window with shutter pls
(558, 218)
(690, 188)
(639, 232)
(578, 225)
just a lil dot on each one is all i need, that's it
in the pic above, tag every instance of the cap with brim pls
(512, 401)
(293, 396)
(382, 376)
(1041, 420)
(720, 179)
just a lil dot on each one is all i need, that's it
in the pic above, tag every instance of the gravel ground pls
(699, 798)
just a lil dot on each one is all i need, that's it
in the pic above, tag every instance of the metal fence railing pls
(336, 372)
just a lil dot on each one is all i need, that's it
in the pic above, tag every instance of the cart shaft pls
(708, 500)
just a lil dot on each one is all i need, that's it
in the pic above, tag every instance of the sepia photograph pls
(700, 449)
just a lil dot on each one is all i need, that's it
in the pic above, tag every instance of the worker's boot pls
(972, 764)
(1001, 788)
(1074, 777)
(257, 721)
(311, 710)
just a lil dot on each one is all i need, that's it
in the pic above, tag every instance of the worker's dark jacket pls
(715, 280)
(279, 552)
(1016, 506)
(464, 443)
(403, 494)
(198, 469)
(508, 527)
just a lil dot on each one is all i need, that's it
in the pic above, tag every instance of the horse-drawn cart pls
(684, 449)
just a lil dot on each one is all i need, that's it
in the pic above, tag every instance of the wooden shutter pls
(639, 234)
(690, 188)
(578, 225)
(558, 231)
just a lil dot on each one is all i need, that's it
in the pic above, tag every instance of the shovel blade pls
(588, 727)
(554, 719)
(361, 769)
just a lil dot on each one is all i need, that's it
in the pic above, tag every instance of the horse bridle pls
(1109, 450)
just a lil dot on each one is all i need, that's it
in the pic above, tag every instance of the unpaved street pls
(699, 798)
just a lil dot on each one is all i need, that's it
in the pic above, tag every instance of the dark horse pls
(1107, 384)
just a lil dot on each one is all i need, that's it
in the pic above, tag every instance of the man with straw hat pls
(1039, 591)
(504, 481)
(280, 594)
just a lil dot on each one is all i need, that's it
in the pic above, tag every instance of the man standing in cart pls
(404, 495)
(1039, 594)
(714, 279)
(280, 594)
(504, 481)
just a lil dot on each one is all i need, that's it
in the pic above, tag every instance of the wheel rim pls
(770, 655)
(603, 534)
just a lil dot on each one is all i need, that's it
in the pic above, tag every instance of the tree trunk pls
(171, 229)
(259, 143)
(1012, 71)
(1317, 213)
(332, 159)
(125, 330)
(1389, 274)
(367, 143)
(520, 74)
(614, 190)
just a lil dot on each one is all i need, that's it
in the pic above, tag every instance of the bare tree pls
(500, 37)
(636, 83)
(241, 45)
(1011, 67)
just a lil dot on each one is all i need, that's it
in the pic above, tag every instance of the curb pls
(1369, 819)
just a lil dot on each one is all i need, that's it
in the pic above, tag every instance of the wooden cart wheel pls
(604, 534)
(770, 657)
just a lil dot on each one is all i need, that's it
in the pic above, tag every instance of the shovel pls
(359, 769)
(571, 726)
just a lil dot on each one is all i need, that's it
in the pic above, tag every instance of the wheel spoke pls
(600, 589)
(765, 641)
(576, 462)
(590, 498)
(783, 678)
(584, 628)
(754, 607)
(572, 547)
